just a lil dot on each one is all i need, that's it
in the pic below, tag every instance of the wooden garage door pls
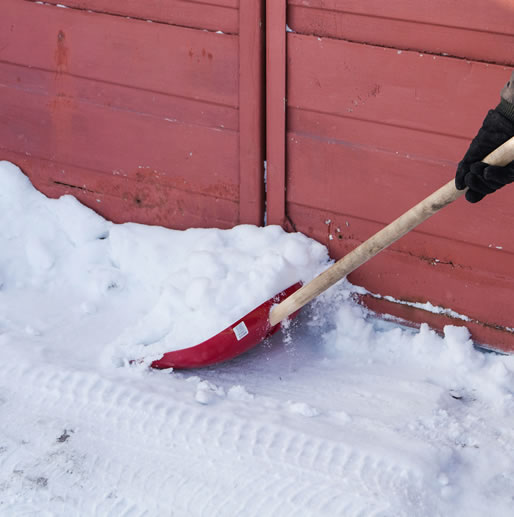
(146, 111)
(382, 101)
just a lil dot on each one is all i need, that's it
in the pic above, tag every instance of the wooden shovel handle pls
(382, 239)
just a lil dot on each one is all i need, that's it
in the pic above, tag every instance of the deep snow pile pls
(343, 414)
(172, 289)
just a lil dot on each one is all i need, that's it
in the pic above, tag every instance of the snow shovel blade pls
(231, 342)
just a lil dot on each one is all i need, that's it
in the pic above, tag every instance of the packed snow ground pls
(342, 414)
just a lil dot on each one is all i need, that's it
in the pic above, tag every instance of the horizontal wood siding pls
(146, 114)
(213, 15)
(153, 111)
(374, 128)
(481, 30)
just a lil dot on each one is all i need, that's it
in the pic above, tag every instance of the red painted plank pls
(121, 199)
(422, 92)
(401, 141)
(251, 111)
(407, 35)
(482, 16)
(162, 58)
(275, 110)
(66, 130)
(113, 96)
(214, 15)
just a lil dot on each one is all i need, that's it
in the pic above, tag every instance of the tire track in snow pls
(176, 446)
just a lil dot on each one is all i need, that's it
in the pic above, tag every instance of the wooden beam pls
(276, 110)
(251, 112)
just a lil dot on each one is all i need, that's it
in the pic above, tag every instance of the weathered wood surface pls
(147, 114)
(213, 15)
(371, 130)
(481, 30)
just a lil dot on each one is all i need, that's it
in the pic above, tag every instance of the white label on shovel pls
(240, 331)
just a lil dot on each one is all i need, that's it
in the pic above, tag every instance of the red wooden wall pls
(382, 101)
(154, 111)
(145, 111)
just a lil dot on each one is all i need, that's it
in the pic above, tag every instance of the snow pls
(341, 413)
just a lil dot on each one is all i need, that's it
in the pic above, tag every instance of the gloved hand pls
(483, 179)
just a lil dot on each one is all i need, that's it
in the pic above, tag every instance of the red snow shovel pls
(264, 320)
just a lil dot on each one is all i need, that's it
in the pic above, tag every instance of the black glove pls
(483, 179)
